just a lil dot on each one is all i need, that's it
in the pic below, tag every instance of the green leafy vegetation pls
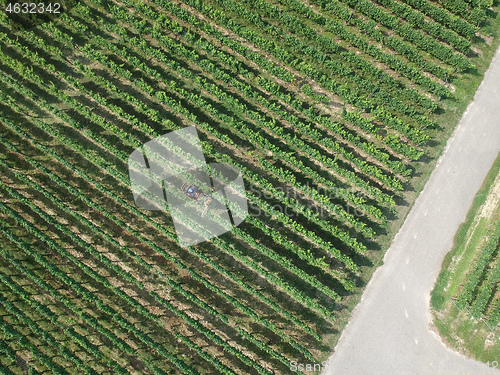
(333, 111)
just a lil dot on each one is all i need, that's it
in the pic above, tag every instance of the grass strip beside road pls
(458, 329)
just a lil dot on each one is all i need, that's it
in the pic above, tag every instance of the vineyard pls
(333, 111)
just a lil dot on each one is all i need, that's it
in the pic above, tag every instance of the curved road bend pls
(389, 331)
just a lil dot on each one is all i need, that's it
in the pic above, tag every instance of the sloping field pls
(334, 111)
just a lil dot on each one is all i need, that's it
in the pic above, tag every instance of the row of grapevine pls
(22, 340)
(259, 203)
(149, 268)
(260, 81)
(347, 92)
(338, 29)
(370, 28)
(74, 102)
(248, 90)
(474, 11)
(398, 46)
(86, 295)
(191, 116)
(31, 228)
(325, 121)
(278, 129)
(331, 56)
(127, 252)
(235, 103)
(27, 273)
(213, 361)
(479, 288)
(283, 218)
(341, 131)
(189, 295)
(397, 64)
(8, 357)
(392, 140)
(169, 103)
(229, 275)
(35, 328)
(440, 15)
(375, 90)
(255, 137)
(486, 291)
(291, 290)
(135, 305)
(240, 331)
(255, 57)
(435, 29)
(263, 63)
(468, 293)
(422, 41)
(270, 167)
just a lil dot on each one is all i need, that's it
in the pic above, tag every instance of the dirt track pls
(390, 329)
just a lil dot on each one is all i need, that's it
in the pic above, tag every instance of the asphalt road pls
(389, 332)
